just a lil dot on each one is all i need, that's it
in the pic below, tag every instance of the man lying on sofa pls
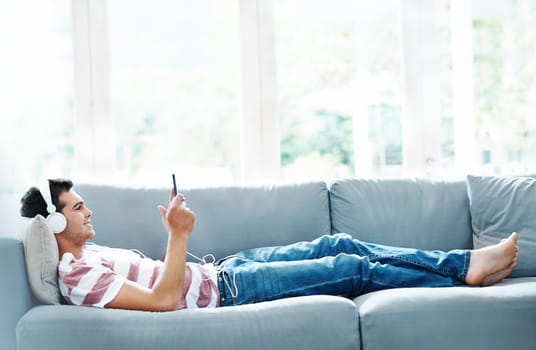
(93, 275)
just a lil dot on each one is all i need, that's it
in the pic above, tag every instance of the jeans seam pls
(287, 292)
(442, 271)
(417, 263)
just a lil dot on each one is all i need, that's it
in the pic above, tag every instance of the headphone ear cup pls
(56, 222)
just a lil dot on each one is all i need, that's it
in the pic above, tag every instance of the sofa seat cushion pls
(308, 323)
(450, 318)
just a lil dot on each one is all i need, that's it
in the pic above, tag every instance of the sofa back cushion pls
(403, 212)
(228, 219)
(500, 206)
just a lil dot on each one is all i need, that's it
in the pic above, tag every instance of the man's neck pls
(68, 248)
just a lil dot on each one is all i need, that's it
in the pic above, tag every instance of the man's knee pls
(341, 236)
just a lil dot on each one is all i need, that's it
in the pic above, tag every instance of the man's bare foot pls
(498, 276)
(492, 264)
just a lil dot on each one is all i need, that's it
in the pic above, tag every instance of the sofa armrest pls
(302, 323)
(15, 291)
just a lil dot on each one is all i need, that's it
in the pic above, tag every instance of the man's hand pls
(177, 219)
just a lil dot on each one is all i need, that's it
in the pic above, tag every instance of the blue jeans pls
(334, 265)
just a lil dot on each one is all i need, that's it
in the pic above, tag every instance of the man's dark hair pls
(33, 203)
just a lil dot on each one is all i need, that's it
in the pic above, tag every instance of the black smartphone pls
(174, 185)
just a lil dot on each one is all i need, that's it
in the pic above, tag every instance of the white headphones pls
(55, 221)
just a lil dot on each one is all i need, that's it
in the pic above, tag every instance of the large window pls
(505, 85)
(36, 92)
(241, 91)
(315, 69)
(174, 88)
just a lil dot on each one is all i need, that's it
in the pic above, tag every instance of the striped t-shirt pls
(96, 278)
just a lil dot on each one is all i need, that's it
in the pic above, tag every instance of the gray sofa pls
(405, 212)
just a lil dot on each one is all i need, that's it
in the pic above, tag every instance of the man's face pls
(79, 229)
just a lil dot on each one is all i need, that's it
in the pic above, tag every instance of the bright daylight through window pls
(247, 91)
(36, 92)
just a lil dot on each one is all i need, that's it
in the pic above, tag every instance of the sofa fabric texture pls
(404, 212)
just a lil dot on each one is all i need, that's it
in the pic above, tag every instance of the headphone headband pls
(55, 221)
(47, 195)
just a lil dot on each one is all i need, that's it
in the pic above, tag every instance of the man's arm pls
(167, 291)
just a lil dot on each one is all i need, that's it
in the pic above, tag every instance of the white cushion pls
(42, 259)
